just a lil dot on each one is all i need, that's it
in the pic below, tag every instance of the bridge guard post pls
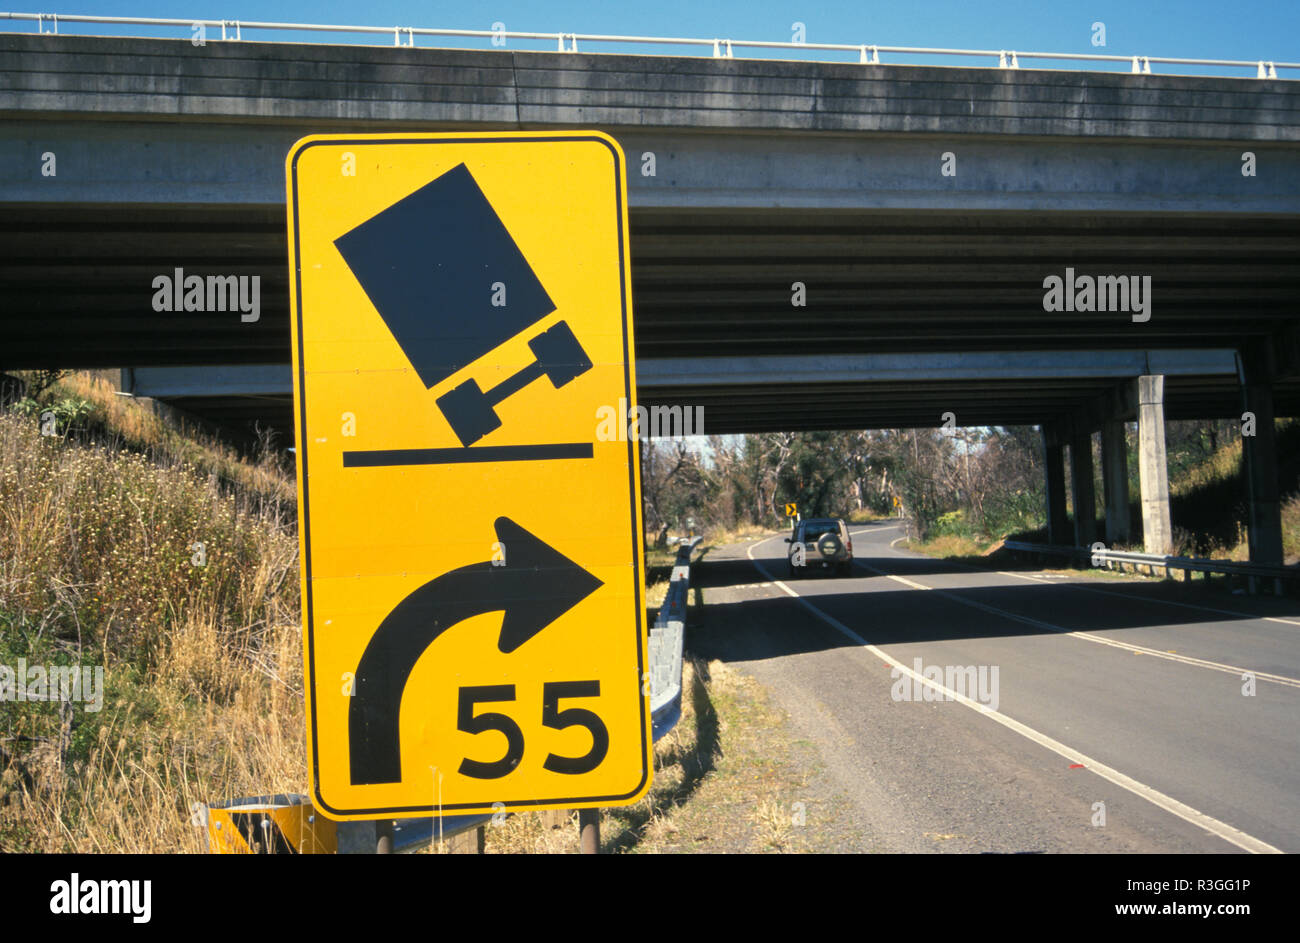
(1260, 455)
(1157, 532)
(1085, 490)
(1054, 471)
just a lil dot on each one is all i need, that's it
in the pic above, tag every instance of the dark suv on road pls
(822, 542)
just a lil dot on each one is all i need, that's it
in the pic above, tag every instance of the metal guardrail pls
(868, 53)
(666, 638)
(1101, 556)
(412, 835)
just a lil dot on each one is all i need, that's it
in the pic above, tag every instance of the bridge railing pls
(868, 53)
(1101, 556)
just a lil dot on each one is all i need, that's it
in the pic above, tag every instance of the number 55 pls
(552, 716)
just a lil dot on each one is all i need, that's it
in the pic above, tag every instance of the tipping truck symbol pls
(427, 263)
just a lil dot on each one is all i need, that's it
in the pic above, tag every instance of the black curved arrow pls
(536, 586)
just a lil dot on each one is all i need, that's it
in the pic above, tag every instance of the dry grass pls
(951, 545)
(727, 778)
(658, 570)
(719, 535)
(101, 547)
(152, 758)
(866, 516)
(141, 426)
(1223, 465)
(774, 825)
(203, 688)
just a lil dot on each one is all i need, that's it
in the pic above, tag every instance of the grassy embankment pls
(99, 566)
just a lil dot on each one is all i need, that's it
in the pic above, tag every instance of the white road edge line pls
(1212, 825)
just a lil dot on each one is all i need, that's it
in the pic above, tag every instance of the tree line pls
(985, 480)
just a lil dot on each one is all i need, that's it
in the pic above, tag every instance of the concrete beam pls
(197, 161)
(658, 373)
(937, 366)
(1157, 531)
(228, 380)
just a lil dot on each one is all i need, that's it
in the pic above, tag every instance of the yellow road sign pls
(791, 510)
(470, 534)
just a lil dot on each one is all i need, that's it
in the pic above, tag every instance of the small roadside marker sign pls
(791, 510)
(473, 619)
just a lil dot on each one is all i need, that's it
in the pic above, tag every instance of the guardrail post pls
(383, 836)
(469, 842)
(589, 826)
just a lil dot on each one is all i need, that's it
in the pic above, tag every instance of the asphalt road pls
(1124, 693)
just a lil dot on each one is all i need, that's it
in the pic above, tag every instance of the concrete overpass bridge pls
(921, 207)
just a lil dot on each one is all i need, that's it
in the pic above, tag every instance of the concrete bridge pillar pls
(1157, 531)
(1114, 473)
(1054, 471)
(1264, 522)
(1084, 490)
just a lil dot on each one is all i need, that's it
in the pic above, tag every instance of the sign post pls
(471, 571)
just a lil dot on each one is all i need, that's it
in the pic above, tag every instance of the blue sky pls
(1242, 29)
